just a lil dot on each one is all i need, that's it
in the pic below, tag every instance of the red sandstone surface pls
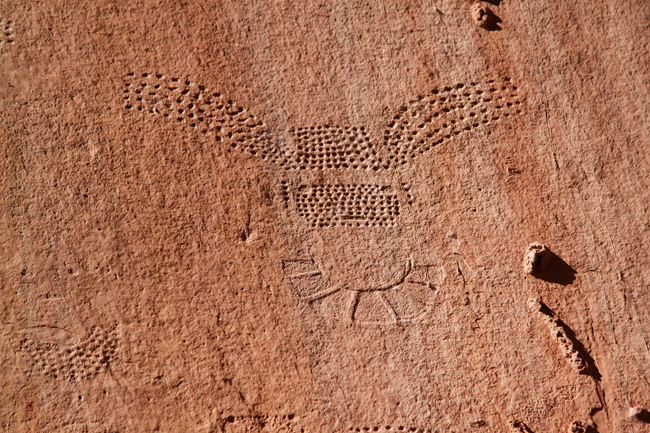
(345, 216)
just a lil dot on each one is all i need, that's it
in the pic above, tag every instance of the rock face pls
(280, 216)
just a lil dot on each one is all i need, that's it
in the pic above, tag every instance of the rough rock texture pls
(311, 216)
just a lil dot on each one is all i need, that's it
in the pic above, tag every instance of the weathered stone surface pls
(311, 216)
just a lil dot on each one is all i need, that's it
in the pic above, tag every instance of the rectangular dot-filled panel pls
(347, 205)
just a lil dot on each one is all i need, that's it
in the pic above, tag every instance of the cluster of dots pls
(444, 113)
(416, 128)
(347, 205)
(6, 32)
(257, 423)
(389, 428)
(75, 363)
(208, 112)
(407, 190)
(284, 193)
(327, 147)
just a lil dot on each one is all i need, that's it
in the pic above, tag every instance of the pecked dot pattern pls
(74, 363)
(445, 113)
(415, 129)
(332, 147)
(208, 112)
(354, 205)
(7, 35)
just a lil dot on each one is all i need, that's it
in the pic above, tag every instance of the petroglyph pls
(6, 32)
(406, 298)
(416, 128)
(74, 363)
(329, 147)
(262, 424)
(444, 113)
(347, 205)
(389, 428)
(201, 109)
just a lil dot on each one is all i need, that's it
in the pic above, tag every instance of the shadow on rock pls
(641, 414)
(493, 22)
(556, 271)
(575, 344)
(592, 370)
